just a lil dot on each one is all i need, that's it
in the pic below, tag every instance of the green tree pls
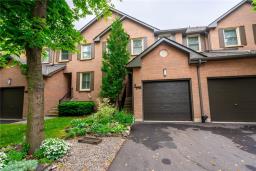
(115, 58)
(254, 5)
(27, 26)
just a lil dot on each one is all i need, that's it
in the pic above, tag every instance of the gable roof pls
(122, 14)
(214, 23)
(136, 62)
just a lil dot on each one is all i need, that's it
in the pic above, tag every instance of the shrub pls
(124, 118)
(3, 160)
(14, 155)
(24, 165)
(75, 108)
(54, 148)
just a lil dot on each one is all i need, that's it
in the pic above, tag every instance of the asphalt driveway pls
(188, 147)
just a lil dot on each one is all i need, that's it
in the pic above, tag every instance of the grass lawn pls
(15, 133)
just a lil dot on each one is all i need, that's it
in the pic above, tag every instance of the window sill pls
(85, 90)
(86, 59)
(234, 46)
(63, 61)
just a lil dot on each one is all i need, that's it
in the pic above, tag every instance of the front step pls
(128, 104)
(53, 111)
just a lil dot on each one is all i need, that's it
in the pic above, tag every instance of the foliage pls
(54, 148)
(75, 108)
(106, 121)
(124, 118)
(3, 61)
(114, 62)
(15, 133)
(24, 165)
(254, 5)
(14, 155)
(29, 26)
(3, 159)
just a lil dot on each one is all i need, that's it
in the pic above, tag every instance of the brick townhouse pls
(175, 75)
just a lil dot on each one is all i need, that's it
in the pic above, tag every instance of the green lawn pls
(15, 133)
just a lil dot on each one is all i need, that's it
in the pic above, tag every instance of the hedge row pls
(76, 108)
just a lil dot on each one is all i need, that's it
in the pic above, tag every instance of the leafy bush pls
(107, 120)
(3, 160)
(75, 108)
(53, 148)
(124, 118)
(24, 165)
(14, 155)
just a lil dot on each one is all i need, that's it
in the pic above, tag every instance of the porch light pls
(9, 81)
(165, 72)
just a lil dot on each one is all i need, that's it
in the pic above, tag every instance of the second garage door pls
(233, 99)
(167, 101)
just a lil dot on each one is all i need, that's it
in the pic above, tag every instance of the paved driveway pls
(188, 147)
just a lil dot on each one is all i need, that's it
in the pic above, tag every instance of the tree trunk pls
(35, 117)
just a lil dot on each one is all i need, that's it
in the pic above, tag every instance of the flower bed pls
(107, 121)
(17, 158)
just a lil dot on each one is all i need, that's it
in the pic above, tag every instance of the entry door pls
(167, 101)
(11, 103)
(233, 99)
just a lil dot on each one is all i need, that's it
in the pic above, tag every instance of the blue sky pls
(167, 14)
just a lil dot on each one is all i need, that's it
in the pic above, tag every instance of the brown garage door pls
(11, 102)
(233, 99)
(167, 101)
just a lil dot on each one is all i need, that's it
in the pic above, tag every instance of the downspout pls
(203, 115)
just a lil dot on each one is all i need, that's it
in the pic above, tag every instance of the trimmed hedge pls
(75, 108)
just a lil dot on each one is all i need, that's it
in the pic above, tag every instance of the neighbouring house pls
(175, 75)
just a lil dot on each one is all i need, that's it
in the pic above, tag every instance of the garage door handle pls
(235, 104)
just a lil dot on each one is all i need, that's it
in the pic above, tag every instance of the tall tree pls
(27, 26)
(254, 5)
(115, 58)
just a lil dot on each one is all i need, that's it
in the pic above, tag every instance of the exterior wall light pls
(9, 81)
(165, 72)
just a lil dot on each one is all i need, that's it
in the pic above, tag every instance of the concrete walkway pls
(188, 147)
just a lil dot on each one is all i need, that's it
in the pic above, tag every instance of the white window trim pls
(199, 41)
(81, 55)
(237, 34)
(142, 41)
(81, 81)
(60, 59)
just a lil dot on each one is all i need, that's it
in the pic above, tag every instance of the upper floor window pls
(231, 37)
(86, 51)
(194, 43)
(46, 56)
(85, 81)
(64, 55)
(137, 46)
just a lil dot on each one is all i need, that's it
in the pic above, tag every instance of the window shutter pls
(184, 41)
(221, 38)
(145, 43)
(129, 46)
(242, 35)
(93, 50)
(202, 40)
(57, 56)
(79, 51)
(70, 56)
(103, 47)
(254, 32)
(92, 81)
(51, 53)
(78, 81)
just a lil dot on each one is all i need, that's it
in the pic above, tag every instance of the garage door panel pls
(233, 99)
(11, 102)
(165, 101)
